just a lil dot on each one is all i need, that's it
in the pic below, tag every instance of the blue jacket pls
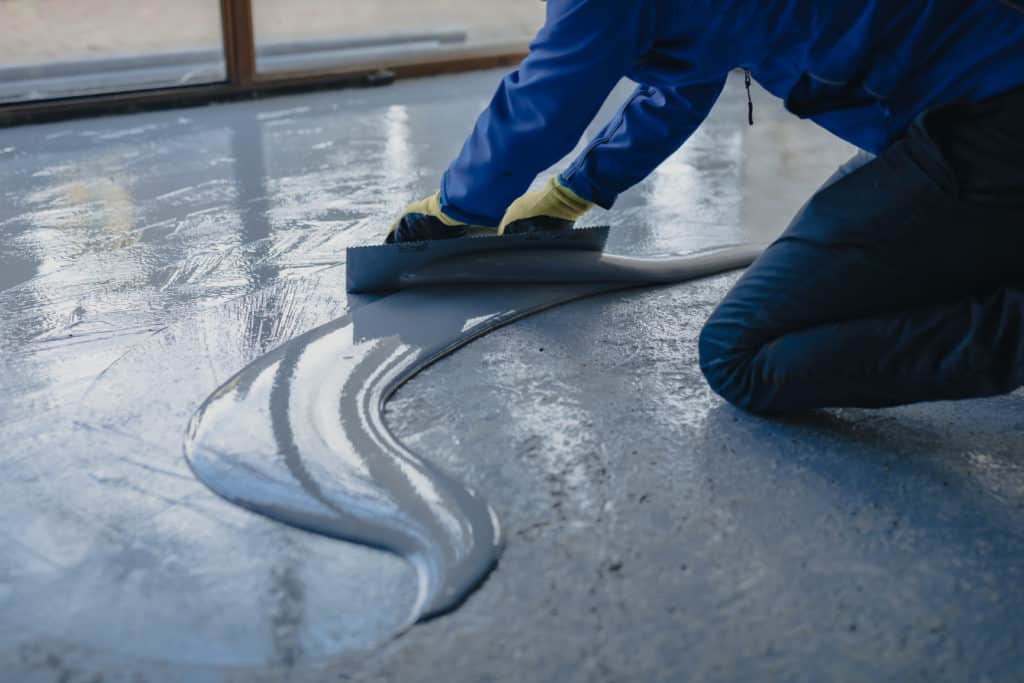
(863, 69)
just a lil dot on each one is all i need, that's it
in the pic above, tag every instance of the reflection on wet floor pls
(148, 258)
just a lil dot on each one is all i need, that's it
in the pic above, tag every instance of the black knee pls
(730, 369)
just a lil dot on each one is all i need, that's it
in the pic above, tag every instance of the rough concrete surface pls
(654, 532)
(661, 535)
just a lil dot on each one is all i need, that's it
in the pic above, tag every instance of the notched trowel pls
(387, 267)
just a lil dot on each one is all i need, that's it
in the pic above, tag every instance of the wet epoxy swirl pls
(298, 435)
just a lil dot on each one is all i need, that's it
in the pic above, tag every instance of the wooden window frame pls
(243, 80)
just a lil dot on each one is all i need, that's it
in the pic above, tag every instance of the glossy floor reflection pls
(147, 258)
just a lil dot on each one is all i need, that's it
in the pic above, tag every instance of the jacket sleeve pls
(649, 128)
(540, 110)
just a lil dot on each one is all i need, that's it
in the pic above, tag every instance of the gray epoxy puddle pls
(298, 435)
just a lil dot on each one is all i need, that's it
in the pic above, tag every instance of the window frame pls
(243, 80)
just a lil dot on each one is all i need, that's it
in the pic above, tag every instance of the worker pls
(901, 280)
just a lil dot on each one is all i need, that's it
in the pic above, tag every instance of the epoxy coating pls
(653, 533)
(299, 437)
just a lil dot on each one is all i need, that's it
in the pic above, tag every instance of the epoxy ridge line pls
(299, 435)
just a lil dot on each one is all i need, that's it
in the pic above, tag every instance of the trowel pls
(388, 267)
(565, 256)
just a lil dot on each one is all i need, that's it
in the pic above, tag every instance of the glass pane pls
(316, 34)
(58, 48)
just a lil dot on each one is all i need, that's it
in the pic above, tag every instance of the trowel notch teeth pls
(536, 235)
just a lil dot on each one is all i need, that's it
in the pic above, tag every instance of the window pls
(54, 48)
(61, 58)
(297, 35)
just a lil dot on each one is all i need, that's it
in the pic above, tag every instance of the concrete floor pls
(654, 532)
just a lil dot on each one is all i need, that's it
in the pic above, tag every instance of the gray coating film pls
(298, 435)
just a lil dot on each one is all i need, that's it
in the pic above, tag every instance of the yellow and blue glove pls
(424, 220)
(553, 207)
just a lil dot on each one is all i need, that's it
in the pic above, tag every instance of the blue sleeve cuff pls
(585, 188)
(458, 214)
(651, 125)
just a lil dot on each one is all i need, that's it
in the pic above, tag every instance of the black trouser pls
(901, 280)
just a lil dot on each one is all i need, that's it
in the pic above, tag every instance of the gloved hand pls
(553, 207)
(424, 220)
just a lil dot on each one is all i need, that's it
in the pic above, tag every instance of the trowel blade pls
(380, 268)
